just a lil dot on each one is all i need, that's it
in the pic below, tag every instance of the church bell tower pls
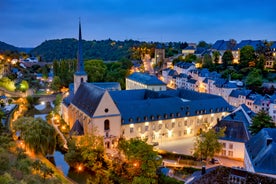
(80, 75)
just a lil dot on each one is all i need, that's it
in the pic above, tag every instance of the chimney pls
(268, 141)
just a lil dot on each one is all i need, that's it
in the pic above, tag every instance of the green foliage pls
(7, 84)
(261, 120)
(207, 61)
(95, 70)
(140, 163)
(216, 55)
(207, 144)
(38, 135)
(227, 58)
(190, 58)
(24, 85)
(6, 179)
(247, 55)
(254, 79)
(64, 69)
(56, 83)
(203, 44)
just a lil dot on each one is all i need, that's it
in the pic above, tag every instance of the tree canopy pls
(207, 144)
(38, 135)
(254, 79)
(247, 55)
(261, 120)
(140, 163)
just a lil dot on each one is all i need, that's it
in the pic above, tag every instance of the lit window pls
(131, 130)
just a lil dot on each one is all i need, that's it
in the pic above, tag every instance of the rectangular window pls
(179, 124)
(131, 130)
(160, 126)
(224, 145)
(185, 132)
(223, 152)
(230, 146)
(173, 124)
(230, 153)
(153, 126)
(146, 128)
(185, 123)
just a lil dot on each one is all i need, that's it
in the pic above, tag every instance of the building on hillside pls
(272, 108)
(139, 80)
(221, 46)
(159, 55)
(236, 50)
(159, 116)
(236, 133)
(260, 154)
(184, 67)
(168, 75)
(238, 97)
(188, 50)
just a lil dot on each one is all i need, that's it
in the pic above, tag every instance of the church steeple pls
(80, 66)
(80, 75)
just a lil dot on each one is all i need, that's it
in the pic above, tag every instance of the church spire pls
(80, 76)
(80, 66)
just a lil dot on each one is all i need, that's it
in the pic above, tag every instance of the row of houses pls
(221, 46)
(238, 142)
(186, 75)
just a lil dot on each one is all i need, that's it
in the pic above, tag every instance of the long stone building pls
(158, 116)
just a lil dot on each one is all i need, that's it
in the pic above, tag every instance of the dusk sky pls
(27, 23)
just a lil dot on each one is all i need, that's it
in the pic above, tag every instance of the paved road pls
(186, 147)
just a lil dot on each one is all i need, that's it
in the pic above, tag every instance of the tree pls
(254, 79)
(95, 70)
(203, 44)
(259, 121)
(24, 86)
(207, 144)
(190, 58)
(207, 61)
(38, 135)
(216, 56)
(140, 163)
(227, 58)
(247, 55)
(56, 83)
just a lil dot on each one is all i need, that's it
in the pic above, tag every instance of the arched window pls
(106, 124)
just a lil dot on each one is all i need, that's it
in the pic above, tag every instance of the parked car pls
(215, 161)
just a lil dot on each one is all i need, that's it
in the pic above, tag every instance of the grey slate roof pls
(110, 86)
(144, 105)
(77, 129)
(254, 43)
(236, 125)
(273, 46)
(261, 149)
(184, 65)
(88, 97)
(221, 45)
(237, 92)
(145, 79)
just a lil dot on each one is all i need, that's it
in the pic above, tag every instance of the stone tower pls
(80, 75)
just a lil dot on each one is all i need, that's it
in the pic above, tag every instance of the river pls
(79, 177)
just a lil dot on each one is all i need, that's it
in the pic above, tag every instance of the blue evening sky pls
(27, 23)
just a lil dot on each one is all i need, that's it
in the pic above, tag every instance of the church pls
(158, 116)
